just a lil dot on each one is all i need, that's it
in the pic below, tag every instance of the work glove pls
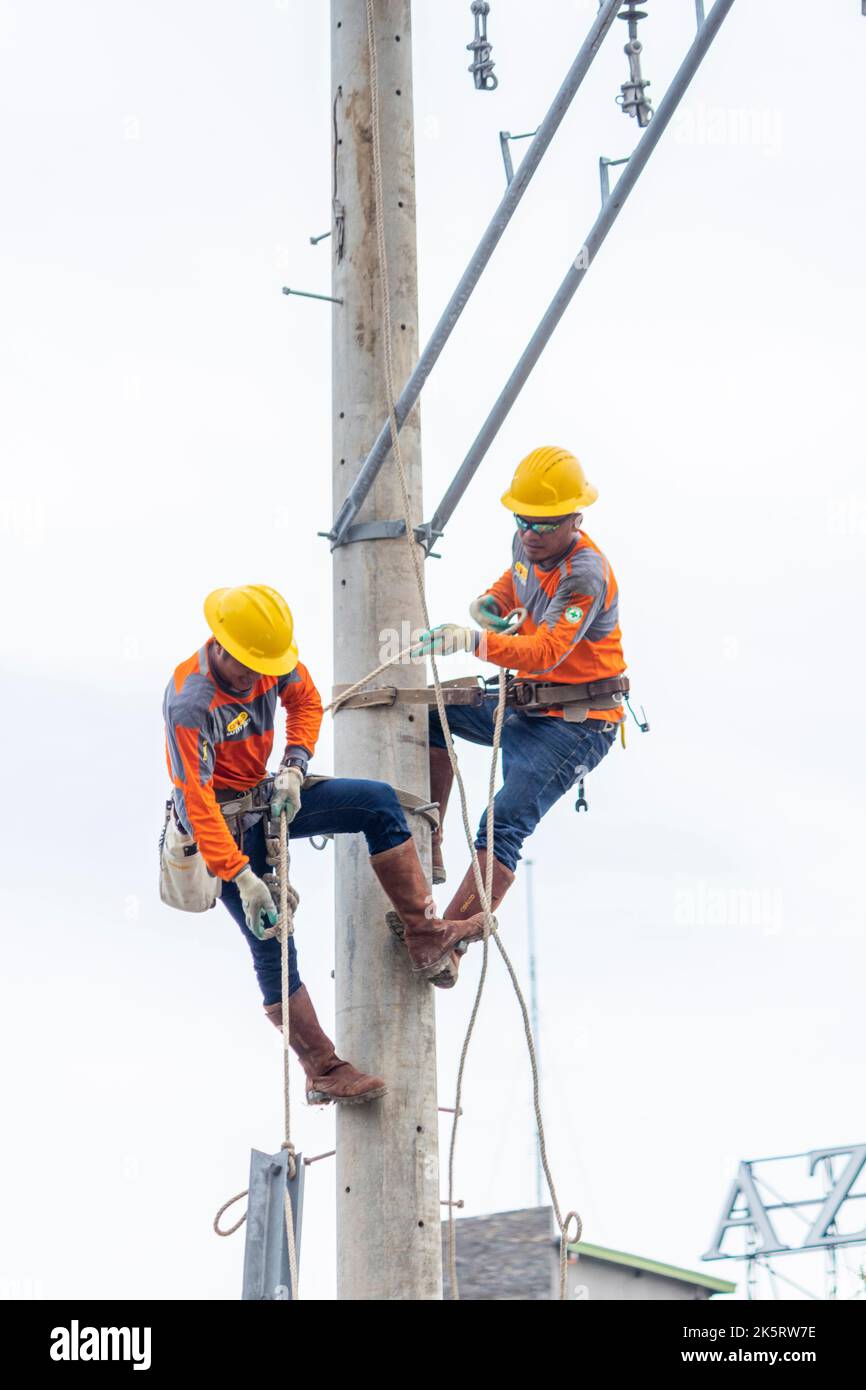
(287, 793)
(446, 639)
(258, 905)
(485, 611)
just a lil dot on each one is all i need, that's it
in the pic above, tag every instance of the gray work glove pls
(486, 613)
(258, 905)
(446, 639)
(287, 793)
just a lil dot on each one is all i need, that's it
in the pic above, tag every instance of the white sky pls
(165, 429)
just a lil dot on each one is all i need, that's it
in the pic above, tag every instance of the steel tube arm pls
(577, 271)
(472, 274)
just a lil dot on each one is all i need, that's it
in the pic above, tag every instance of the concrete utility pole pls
(388, 1213)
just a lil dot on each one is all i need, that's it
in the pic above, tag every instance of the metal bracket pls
(367, 531)
(267, 1277)
(314, 240)
(417, 806)
(383, 531)
(426, 536)
(604, 177)
(504, 137)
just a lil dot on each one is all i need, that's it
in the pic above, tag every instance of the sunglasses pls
(541, 528)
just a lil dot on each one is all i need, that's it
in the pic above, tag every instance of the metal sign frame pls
(745, 1208)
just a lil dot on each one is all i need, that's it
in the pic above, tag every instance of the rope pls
(371, 675)
(287, 927)
(484, 890)
(284, 929)
(225, 1206)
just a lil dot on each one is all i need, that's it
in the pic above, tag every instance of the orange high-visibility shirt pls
(216, 739)
(572, 632)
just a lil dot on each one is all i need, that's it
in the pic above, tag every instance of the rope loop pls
(578, 1228)
(225, 1206)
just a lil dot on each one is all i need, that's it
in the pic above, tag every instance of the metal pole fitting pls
(481, 66)
(307, 294)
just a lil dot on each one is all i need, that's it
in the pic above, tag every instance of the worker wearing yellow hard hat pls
(553, 618)
(220, 839)
(549, 482)
(254, 625)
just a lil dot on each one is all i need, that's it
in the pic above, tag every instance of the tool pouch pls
(185, 882)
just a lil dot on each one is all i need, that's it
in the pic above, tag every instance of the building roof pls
(618, 1257)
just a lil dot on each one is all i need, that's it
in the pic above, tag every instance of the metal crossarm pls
(483, 252)
(429, 531)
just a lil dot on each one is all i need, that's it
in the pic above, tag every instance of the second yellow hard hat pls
(255, 625)
(549, 482)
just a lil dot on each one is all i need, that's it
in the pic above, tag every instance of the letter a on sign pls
(751, 1215)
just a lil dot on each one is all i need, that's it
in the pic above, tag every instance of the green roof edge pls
(618, 1257)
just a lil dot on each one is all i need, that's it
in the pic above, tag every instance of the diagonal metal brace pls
(580, 266)
(489, 241)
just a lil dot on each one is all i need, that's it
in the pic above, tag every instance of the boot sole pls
(322, 1097)
(434, 971)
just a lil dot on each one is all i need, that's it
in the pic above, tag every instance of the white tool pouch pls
(185, 882)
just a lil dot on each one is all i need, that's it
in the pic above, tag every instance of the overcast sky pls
(165, 429)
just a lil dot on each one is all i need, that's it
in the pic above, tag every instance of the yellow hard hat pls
(255, 625)
(549, 482)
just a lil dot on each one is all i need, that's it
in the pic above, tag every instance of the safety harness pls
(530, 697)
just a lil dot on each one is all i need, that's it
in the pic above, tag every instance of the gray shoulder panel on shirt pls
(587, 578)
(589, 569)
(189, 708)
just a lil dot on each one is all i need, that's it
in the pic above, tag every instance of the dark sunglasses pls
(541, 528)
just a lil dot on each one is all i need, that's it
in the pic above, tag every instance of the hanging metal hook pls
(633, 98)
(481, 66)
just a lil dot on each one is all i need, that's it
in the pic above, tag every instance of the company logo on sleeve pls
(573, 614)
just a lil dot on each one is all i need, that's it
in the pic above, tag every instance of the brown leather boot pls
(429, 939)
(441, 778)
(328, 1078)
(466, 903)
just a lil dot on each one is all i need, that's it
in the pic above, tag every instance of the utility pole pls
(388, 1212)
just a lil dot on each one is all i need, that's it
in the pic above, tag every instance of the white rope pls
(483, 889)
(286, 929)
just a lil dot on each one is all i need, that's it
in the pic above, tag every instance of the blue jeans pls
(337, 806)
(542, 757)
